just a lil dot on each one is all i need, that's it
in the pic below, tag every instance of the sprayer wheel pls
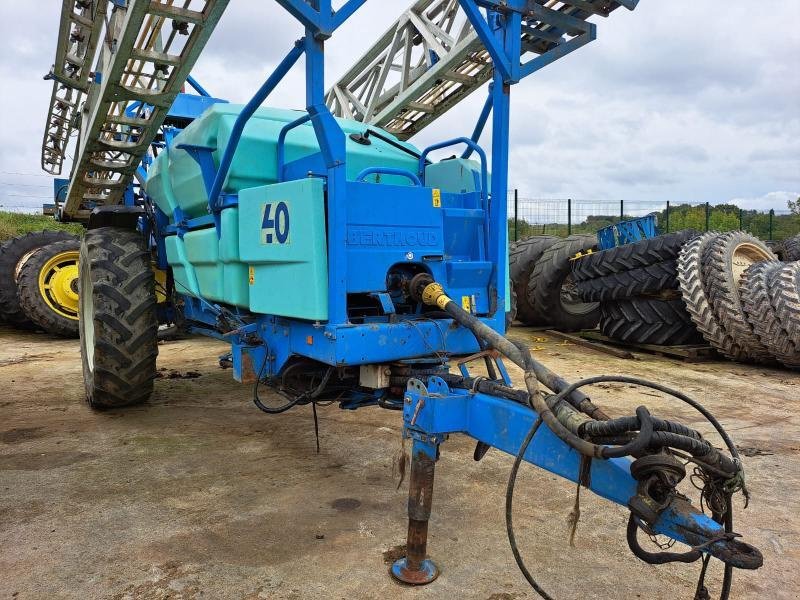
(118, 321)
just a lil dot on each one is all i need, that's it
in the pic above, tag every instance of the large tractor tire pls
(790, 249)
(649, 321)
(522, 259)
(639, 254)
(511, 315)
(658, 278)
(690, 277)
(13, 255)
(118, 323)
(724, 262)
(757, 287)
(551, 290)
(47, 288)
(785, 296)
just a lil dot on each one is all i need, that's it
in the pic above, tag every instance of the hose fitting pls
(433, 295)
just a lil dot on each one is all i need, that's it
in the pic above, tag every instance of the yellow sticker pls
(252, 274)
(437, 198)
(466, 303)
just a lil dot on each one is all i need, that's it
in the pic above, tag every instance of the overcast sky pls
(680, 100)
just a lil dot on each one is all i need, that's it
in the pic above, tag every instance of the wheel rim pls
(58, 284)
(21, 263)
(86, 321)
(744, 256)
(570, 299)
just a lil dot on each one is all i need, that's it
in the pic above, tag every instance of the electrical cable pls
(257, 401)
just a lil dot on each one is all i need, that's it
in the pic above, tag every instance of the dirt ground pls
(199, 495)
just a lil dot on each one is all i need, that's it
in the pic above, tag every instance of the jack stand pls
(415, 569)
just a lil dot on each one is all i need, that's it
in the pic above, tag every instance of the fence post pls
(666, 218)
(569, 216)
(741, 219)
(708, 215)
(622, 210)
(516, 213)
(771, 218)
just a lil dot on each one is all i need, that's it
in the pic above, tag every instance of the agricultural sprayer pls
(339, 261)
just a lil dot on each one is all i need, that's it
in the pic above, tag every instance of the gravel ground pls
(198, 495)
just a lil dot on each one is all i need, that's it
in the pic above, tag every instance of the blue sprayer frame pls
(431, 410)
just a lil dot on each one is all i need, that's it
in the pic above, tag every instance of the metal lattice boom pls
(78, 34)
(155, 45)
(431, 59)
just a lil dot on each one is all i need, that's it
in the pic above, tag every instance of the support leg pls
(415, 569)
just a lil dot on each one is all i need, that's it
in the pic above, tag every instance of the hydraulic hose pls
(650, 433)
(433, 294)
(622, 425)
(535, 372)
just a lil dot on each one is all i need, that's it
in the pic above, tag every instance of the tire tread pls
(126, 325)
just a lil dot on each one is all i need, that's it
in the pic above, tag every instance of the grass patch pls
(14, 224)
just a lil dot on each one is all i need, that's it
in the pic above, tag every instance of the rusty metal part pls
(490, 353)
(401, 373)
(725, 547)
(579, 341)
(249, 373)
(414, 568)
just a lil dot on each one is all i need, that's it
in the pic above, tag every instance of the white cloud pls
(777, 200)
(665, 105)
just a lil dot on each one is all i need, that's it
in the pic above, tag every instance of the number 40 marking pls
(275, 227)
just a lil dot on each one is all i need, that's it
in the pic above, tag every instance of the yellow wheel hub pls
(58, 284)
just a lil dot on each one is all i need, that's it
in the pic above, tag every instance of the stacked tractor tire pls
(744, 301)
(39, 282)
(542, 284)
(637, 288)
(727, 290)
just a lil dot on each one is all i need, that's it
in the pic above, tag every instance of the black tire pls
(790, 249)
(758, 284)
(48, 312)
(511, 315)
(785, 297)
(118, 322)
(651, 279)
(522, 257)
(632, 256)
(690, 278)
(649, 321)
(551, 290)
(13, 254)
(724, 261)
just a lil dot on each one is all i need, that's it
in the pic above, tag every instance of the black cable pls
(257, 401)
(656, 558)
(394, 143)
(727, 577)
(512, 540)
(316, 424)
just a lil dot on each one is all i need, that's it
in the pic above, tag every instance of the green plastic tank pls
(174, 180)
(235, 264)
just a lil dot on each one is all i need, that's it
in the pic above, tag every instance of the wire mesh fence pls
(562, 217)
